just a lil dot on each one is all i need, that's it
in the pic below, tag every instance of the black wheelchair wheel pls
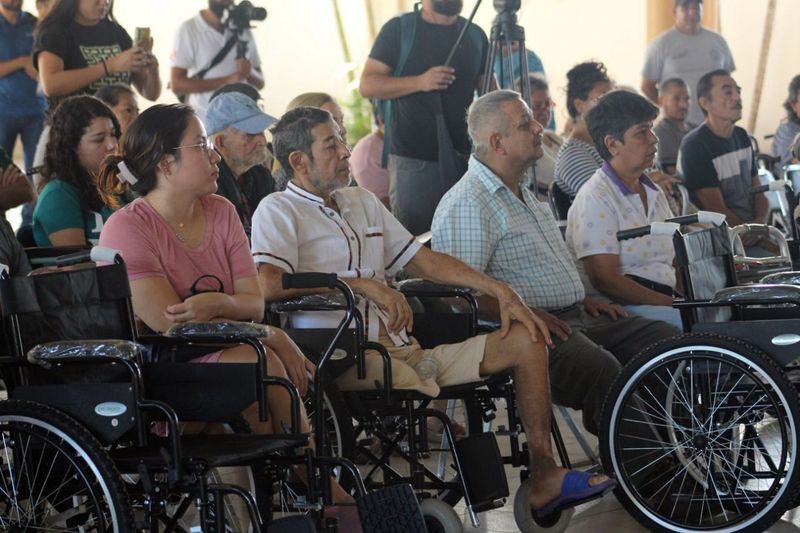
(338, 425)
(702, 434)
(55, 476)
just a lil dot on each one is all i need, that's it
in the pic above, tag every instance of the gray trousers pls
(583, 367)
(414, 191)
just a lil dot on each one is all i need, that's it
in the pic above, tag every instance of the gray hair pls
(485, 117)
(292, 133)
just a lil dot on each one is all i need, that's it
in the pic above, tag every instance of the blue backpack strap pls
(408, 31)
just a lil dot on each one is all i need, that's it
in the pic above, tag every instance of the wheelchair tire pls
(702, 434)
(48, 454)
(440, 517)
(527, 523)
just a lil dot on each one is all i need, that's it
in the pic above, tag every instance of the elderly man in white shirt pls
(638, 272)
(320, 224)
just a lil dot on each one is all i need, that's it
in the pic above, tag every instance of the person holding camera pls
(209, 54)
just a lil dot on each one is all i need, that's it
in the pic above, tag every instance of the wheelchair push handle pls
(309, 280)
(656, 228)
(777, 185)
(96, 254)
(671, 225)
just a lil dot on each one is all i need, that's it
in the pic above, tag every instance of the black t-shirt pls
(81, 46)
(729, 164)
(413, 120)
(255, 185)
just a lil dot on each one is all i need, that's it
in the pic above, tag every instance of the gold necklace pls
(180, 237)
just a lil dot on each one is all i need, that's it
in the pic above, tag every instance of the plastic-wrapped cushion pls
(53, 352)
(212, 330)
(748, 293)
(331, 301)
(421, 286)
(782, 278)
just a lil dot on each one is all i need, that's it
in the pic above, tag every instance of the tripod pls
(505, 34)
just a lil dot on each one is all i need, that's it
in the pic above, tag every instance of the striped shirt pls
(482, 223)
(577, 161)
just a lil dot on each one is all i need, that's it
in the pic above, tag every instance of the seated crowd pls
(208, 216)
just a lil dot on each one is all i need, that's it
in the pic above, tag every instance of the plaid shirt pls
(481, 222)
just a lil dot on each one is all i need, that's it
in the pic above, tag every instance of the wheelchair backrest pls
(559, 201)
(80, 304)
(705, 265)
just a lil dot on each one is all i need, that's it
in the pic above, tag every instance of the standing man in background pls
(21, 108)
(423, 88)
(686, 51)
(674, 100)
(197, 42)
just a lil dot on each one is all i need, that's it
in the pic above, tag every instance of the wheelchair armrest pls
(95, 351)
(421, 287)
(222, 331)
(331, 301)
(782, 278)
(758, 294)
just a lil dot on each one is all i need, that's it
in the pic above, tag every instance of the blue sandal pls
(575, 490)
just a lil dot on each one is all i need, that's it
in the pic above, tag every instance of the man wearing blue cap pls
(236, 125)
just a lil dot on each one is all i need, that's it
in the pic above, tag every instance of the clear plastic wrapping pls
(52, 352)
(783, 278)
(746, 293)
(421, 286)
(331, 301)
(210, 330)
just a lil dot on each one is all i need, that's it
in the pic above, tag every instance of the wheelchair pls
(384, 429)
(78, 445)
(702, 429)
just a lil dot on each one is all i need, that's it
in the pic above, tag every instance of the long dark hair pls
(68, 124)
(152, 135)
(63, 13)
(581, 79)
(794, 94)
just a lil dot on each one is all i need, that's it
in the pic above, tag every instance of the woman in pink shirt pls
(187, 255)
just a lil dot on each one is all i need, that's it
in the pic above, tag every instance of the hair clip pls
(125, 174)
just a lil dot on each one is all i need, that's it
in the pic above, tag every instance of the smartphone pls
(141, 36)
(5, 159)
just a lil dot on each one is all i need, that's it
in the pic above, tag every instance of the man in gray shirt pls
(686, 51)
(673, 98)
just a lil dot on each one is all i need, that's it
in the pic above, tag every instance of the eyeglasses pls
(206, 146)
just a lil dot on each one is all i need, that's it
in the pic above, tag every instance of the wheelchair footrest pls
(488, 506)
(393, 509)
(484, 474)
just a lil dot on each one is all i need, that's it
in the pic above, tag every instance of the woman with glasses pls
(186, 251)
(69, 210)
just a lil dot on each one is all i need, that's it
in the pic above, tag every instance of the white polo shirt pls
(605, 205)
(196, 44)
(295, 231)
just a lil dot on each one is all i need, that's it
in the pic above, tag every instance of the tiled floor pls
(601, 516)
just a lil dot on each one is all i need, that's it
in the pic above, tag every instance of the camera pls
(241, 14)
(507, 6)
